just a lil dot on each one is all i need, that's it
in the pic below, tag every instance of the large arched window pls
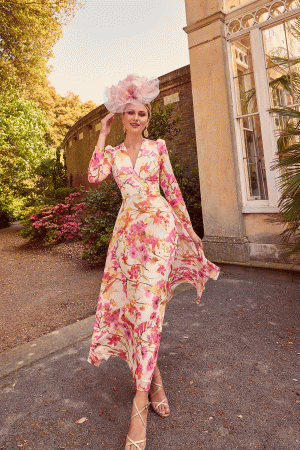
(264, 48)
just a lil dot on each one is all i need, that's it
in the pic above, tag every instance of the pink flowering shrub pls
(54, 224)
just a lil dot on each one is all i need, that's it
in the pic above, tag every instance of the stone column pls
(224, 232)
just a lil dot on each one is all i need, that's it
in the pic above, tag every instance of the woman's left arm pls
(172, 191)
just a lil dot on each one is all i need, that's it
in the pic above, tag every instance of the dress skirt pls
(149, 254)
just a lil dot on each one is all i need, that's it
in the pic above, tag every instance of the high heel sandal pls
(138, 413)
(163, 402)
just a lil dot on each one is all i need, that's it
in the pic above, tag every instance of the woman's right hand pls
(106, 124)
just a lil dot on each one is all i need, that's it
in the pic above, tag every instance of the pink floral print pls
(150, 253)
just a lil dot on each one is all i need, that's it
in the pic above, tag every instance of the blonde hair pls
(149, 109)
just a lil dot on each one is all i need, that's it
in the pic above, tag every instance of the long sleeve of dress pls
(101, 164)
(170, 186)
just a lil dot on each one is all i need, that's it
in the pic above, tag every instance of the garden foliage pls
(163, 123)
(57, 223)
(187, 176)
(22, 148)
(51, 185)
(29, 30)
(97, 227)
(4, 217)
(34, 118)
(288, 164)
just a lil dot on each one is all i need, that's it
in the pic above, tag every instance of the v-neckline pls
(138, 155)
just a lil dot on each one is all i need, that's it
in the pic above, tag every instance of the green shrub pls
(50, 198)
(61, 193)
(187, 176)
(4, 218)
(103, 206)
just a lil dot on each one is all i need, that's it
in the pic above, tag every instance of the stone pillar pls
(224, 231)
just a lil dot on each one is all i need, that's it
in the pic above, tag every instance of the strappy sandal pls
(142, 441)
(155, 405)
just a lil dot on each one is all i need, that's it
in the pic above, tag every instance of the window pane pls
(241, 56)
(286, 123)
(284, 84)
(254, 163)
(295, 73)
(245, 94)
(280, 86)
(275, 45)
(292, 4)
(282, 50)
(293, 38)
(243, 75)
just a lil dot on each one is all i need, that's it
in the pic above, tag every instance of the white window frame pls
(266, 119)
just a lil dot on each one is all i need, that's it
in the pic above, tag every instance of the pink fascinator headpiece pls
(134, 90)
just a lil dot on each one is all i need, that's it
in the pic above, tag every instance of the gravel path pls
(42, 290)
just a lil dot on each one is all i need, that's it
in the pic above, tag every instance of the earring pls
(146, 134)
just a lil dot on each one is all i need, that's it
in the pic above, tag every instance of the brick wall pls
(79, 143)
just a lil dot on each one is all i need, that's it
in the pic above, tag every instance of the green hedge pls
(4, 218)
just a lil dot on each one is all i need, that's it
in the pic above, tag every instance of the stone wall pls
(233, 232)
(79, 143)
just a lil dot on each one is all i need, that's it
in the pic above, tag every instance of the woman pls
(153, 249)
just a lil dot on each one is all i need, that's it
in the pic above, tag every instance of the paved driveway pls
(230, 368)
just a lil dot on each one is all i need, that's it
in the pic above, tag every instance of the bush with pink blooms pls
(51, 225)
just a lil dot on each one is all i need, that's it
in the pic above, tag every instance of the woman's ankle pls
(141, 397)
(156, 376)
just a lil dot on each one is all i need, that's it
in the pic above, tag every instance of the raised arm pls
(100, 165)
(101, 162)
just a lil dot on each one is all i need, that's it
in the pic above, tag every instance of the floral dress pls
(149, 254)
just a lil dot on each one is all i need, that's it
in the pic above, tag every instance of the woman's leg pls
(137, 431)
(160, 393)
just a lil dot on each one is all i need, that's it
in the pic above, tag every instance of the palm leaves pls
(288, 163)
(288, 157)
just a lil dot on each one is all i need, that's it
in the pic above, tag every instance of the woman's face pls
(135, 118)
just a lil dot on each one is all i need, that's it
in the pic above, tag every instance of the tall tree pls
(22, 147)
(28, 31)
(29, 105)
(63, 113)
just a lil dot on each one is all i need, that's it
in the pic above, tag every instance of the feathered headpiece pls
(134, 90)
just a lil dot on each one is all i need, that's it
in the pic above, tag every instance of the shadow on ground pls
(230, 368)
(42, 290)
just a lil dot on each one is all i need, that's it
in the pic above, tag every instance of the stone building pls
(233, 45)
